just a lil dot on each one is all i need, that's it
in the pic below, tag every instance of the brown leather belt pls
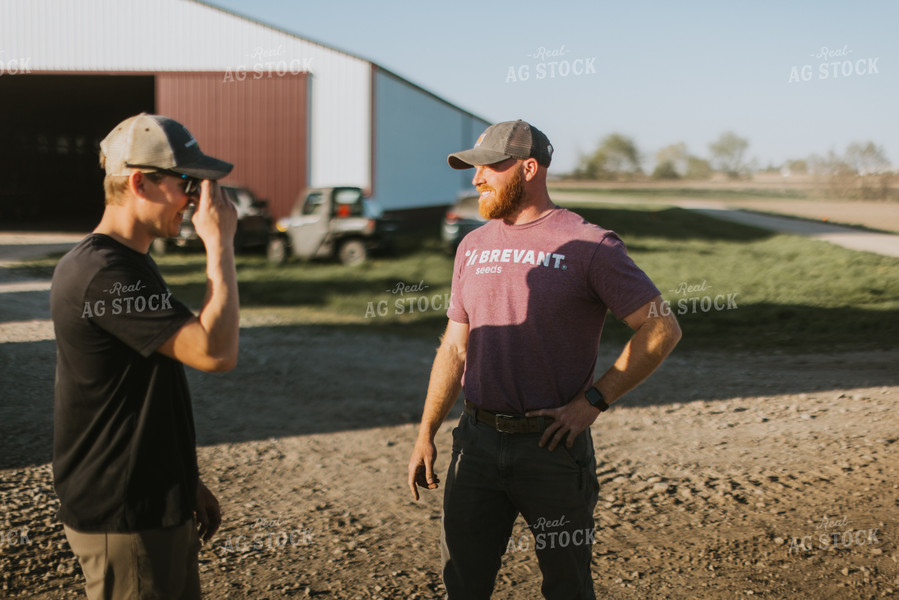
(508, 423)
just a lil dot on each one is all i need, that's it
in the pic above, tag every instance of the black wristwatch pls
(596, 399)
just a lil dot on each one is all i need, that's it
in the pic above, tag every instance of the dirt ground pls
(723, 476)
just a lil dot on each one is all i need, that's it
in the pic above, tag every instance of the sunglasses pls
(190, 185)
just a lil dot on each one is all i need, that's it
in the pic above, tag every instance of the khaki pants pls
(153, 564)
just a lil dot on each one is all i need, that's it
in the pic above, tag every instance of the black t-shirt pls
(124, 447)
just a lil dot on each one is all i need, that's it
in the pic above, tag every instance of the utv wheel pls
(352, 252)
(277, 250)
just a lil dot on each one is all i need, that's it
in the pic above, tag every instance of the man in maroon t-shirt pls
(531, 289)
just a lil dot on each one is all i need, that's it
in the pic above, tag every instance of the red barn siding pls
(260, 125)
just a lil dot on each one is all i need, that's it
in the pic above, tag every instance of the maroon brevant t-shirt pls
(535, 298)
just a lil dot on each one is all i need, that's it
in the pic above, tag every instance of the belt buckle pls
(502, 419)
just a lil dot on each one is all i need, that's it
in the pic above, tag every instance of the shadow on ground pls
(298, 380)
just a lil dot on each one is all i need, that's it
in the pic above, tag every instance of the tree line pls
(861, 171)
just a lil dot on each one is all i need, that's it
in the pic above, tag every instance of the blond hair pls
(116, 186)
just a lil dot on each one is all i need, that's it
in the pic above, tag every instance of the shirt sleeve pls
(132, 303)
(456, 311)
(620, 284)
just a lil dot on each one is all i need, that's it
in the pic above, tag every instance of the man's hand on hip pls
(569, 420)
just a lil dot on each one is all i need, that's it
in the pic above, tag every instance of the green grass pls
(330, 294)
(792, 294)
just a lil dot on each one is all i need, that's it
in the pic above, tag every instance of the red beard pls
(506, 200)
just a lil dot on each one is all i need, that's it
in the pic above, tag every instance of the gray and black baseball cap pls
(509, 139)
(155, 142)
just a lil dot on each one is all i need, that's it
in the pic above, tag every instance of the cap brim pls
(476, 156)
(205, 168)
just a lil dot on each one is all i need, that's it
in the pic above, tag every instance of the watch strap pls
(596, 399)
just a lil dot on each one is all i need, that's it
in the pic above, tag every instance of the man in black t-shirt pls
(124, 452)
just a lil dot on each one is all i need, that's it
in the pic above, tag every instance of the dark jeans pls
(495, 476)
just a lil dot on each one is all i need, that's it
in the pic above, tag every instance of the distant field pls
(758, 183)
(732, 287)
(801, 200)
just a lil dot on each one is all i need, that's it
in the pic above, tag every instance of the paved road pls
(847, 237)
(17, 246)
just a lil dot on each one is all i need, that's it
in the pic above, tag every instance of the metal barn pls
(287, 111)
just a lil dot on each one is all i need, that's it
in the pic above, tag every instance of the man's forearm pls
(645, 351)
(443, 389)
(220, 315)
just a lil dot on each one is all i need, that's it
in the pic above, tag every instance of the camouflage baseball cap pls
(509, 139)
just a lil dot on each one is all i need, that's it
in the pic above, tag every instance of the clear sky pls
(658, 71)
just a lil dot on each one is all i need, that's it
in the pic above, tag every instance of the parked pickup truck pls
(331, 222)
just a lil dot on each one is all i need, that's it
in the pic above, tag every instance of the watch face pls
(595, 398)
